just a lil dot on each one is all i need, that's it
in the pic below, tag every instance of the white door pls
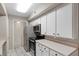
(18, 34)
(64, 21)
(51, 23)
(43, 25)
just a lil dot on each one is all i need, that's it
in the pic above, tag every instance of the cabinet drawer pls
(53, 53)
(38, 46)
(38, 49)
(45, 48)
(45, 51)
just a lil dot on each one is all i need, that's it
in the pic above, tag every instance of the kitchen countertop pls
(2, 42)
(63, 49)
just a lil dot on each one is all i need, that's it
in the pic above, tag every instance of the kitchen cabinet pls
(51, 23)
(64, 21)
(41, 50)
(38, 49)
(46, 47)
(35, 22)
(43, 25)
(32, 23)
(59, 22)
(44, 51)
(53, 53)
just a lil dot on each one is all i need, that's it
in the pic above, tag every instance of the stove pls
(32, 40)
(32, 44)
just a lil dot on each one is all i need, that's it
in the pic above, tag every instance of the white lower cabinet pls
(45, 51)
(38, 49)
(53, 53)
(41, 50)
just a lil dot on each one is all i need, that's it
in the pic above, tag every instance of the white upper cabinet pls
(51, 23)
(64, 21)
(58, 22)
(43, 25)
(35, 22)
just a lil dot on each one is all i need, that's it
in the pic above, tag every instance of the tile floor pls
(18, 52)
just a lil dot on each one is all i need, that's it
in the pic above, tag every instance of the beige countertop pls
(63, 49)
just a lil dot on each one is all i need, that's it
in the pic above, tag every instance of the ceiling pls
(11, 9)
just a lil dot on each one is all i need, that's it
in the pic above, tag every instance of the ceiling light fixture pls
(23, 7)
(18, 22)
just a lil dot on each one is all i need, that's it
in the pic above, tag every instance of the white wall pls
(31, 33)
(3, 28)
(13, 19)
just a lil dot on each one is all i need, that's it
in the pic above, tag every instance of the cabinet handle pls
(55, 54)
(40, 49)
(44, 48)
(58, 34)
(53, 33)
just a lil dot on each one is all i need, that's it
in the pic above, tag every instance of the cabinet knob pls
(58, 34)
(53, 33)
(44, 48)
(40, 49)
(55, 54)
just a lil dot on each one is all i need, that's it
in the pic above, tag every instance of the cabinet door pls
(43, 25)
(37, 21)
(59, 22)
(38, 49)
(51, 23)
(53, 53)
(32, 23)
(64, 21)
(45, 51)
(67, 21)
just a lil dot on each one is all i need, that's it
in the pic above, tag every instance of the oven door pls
(32, 47)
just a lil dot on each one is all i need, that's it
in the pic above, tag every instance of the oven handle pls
(32, 41)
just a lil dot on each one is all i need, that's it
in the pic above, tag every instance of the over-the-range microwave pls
(37, 28)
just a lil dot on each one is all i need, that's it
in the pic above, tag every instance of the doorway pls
(18, 34)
